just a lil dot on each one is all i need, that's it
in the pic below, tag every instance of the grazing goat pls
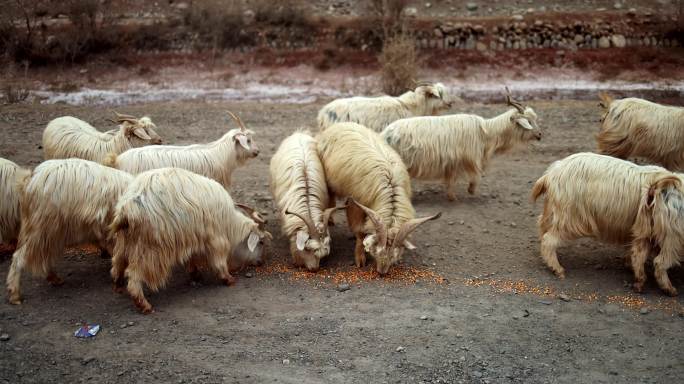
(359, 165)
(171, 216)
(64, 202)
(378, 112)
(12, 177)
(216, 160)
(444, 147)
(301, 195)
(614, 201)
(66, 137)
(638, 128)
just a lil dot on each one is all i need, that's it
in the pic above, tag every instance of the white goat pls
(65, 202)
(378, 112)
(12, 177)
(171, 216)
(444, 147)
(359, 165)
(66, 137)
(216, 160)
(614, 201)
(301, 195)
(639, 128)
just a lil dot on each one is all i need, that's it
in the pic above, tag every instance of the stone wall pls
(521, 34)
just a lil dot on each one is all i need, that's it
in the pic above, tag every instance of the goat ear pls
(252, 241)
(242, 139)
(141, 134)
(368, 242)
(409, 245)
(660, 185)
(522, 122)
(302, 237)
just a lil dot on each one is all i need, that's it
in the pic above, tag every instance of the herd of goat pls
(154, 207)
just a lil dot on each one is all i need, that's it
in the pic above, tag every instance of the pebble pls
(249, 275)
(130, 323)
(400, 349)
(423, 317)
(564, 297)
(4, 337)
(123, 326)
(644, 311)
(471, 6)
(286, 361)
(545, 302)
(343, 287)
(87, 360)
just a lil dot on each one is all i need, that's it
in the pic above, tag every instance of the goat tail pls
(605, 100)
(110, 160)
(539, 188)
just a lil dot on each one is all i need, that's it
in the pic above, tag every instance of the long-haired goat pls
(639, 128)
(170, 216)
(378, 112)
(65, 202)
(358, 164)
(614, 201)
(66, 137)
(444, 147)
(12, 177)
(299, 188)
(216, 160)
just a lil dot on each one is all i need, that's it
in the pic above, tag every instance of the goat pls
(358, 164)
(216, 160)
(171, 216)
(614, 201)
(443, 147)
(66, 137)
(377, 112)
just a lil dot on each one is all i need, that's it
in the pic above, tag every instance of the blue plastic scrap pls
(87, 330)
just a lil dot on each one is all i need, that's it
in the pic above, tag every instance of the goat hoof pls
(638, 287)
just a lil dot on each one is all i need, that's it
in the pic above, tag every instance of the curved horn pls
(328, 212)
(253, 213)
(411, 226)
(513, 103)
(380, 228)
(238, 121)
(309, 224)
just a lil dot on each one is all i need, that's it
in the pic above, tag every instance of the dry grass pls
(399, 61)
(15, 88)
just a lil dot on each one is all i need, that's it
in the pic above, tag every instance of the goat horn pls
(238, 121)
(513, 103)
(123, 116)
(380, 228)
(252, 212)
(411, 226)
(328, 212)
(309, 224)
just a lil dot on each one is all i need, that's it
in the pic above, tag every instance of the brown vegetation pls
(399, 64)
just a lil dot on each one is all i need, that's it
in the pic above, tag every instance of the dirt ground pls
(482, 309)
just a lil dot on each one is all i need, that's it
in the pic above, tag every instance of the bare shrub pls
(14, 88)
(399, 64)
(221, 25)
(391, 15)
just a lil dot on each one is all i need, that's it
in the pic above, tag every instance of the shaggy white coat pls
(171, 216)
(12, 177)
(639, 128)
(66, 137)
(614, 201)
(445, 147)
(65, 202)
(298, 185)
(378, 112)
(216, 160)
